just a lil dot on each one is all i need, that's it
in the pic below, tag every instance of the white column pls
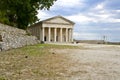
(49, 34)
(55, 33)
(40, 34)
(43, 33)
(61, 35)
(71, 35)
(66, 34)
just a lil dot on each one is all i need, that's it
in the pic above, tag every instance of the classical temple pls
(55, 29)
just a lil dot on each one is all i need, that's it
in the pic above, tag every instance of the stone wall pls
(13, 38)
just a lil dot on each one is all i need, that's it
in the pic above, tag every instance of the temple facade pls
(55, 29)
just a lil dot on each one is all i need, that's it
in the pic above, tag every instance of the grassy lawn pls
(38, 49)
(35, 62)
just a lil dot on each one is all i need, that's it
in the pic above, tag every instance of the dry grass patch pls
(35, 62)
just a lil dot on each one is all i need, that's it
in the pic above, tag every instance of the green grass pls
(44, 48)
(2, 78)
(39, 49)
(57, 46)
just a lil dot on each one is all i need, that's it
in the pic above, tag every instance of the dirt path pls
(97, 62)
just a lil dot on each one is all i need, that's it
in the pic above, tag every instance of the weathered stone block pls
(11, 37)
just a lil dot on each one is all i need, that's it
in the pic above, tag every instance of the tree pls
(21, 13)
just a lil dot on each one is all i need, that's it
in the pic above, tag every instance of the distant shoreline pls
(97, 42)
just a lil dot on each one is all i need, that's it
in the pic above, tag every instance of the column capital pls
(70, 28)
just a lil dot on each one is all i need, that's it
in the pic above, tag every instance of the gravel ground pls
(51, 62)
(96, 62)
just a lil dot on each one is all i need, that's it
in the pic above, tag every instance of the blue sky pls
(94, 18)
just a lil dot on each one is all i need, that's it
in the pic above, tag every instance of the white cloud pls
(106, 17)
(80, 18)
(43, 15)
(85, 18)
(100, 14)
(93, 17)
(111, 29)
(117, 10)
(67, 4)
(88, 36)
(99, 6)
(113, 20)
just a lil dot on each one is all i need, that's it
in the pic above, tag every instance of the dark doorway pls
(64, 38)
(56, 38)
(45, 38)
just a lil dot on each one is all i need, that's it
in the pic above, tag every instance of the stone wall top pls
(11, 29)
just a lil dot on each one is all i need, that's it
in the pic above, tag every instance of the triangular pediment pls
(59, 20)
